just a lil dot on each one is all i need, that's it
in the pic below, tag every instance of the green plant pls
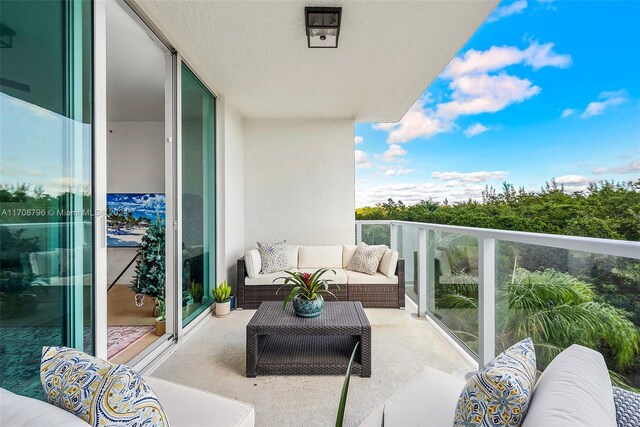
(345, 389)
(197, 291)
(163, 307)
(222, 292)
(150, 268)
(306, 285)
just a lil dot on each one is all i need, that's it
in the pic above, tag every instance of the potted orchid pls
(306, 291)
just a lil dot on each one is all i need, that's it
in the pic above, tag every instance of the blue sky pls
(544, 89)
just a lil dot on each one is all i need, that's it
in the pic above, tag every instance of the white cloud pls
(394, 172)
(470, 177)
(609, 99)
(484, 93)
(418, 122)
(567, 112)
(507, 10)
(475, 129)
(572, 179)
(392, 152)
(362, 160)
(498, 57)
(358, 140)
(413, 193)
(633, 167)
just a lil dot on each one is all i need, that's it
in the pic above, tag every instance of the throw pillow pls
(273, 257)
(98, 392)
(388, 263)
(367, 258)
(499, 393)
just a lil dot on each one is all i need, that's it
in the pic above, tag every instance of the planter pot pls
(308, 308)
(223, 308)
(161, 327)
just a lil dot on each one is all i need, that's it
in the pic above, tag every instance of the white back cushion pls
(252, 262)
(388, 263)
(348, 251)
(292, 255)
(574, 390)
(17, 410)
(320, 257)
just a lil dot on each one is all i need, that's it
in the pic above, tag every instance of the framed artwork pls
(129, 215)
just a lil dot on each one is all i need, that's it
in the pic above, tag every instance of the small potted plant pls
(306, 291)
(222, 294)
(161, 321)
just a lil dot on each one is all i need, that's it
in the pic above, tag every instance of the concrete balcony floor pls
(213, 358)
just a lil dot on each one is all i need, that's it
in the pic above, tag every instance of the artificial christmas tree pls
(150, 266)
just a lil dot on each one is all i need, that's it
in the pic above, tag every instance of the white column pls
(422, 272)
(486, 299)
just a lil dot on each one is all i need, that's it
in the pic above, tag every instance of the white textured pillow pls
(366, 259)
(574, 390)
(273, 257)
(388, 263)
(252, 262)
(348, 251)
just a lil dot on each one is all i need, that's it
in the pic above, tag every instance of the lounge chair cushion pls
(252, 262)
(357, 278)
(320, 257)
(348, 251)
(266, 279)
(388, 263)
(339, 277)
(574, 390)
(19, 411)
(292, 255)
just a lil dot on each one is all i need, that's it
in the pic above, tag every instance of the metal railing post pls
(358, 233)
(393, 237)
(422, 272)
(486, 299)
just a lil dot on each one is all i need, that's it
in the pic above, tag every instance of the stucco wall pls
(299, 181)
(135, 164)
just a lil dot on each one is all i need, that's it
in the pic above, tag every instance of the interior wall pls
(299, 181)
(135, 164)
(234, 203)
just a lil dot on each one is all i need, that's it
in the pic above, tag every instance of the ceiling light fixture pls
(323, 26)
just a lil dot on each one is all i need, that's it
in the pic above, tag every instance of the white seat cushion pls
(348, 251)
(252, 262)
(339, 277)
(186, 406)
(574, 390)
(266, 279)
(320, 256)
(357, 278)
(17, 411)
(429, 399)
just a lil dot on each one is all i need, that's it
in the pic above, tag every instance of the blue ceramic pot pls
(306, 308)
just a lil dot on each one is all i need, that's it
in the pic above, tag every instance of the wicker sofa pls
(373, 291)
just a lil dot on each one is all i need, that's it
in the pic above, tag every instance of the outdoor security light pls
(323, 26)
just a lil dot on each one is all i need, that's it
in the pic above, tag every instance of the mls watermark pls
(54, 212)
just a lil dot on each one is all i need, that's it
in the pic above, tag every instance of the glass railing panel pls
(408, 250)
(376, 234)
(560, 297)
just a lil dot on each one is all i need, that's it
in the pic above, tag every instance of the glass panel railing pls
(456, 285)
(376, 234)
(561, 297)
(408, 250)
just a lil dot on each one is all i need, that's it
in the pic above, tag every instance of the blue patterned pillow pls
(499, 394)
(98, 392)
(273, 257)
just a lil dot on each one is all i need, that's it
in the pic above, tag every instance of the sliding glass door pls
(46, 221)
(198, 196)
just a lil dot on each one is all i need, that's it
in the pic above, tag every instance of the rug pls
(121, 337)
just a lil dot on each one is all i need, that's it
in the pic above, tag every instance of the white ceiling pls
(255, 53)
(135, 70)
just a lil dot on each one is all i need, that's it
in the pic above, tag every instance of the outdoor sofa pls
(373, 291)
(574, 390)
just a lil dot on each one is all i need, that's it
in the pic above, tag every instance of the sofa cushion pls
(188, 406)
(339, 277)
(366, 259)
(97, 391)
(45, 263)
(252, 262)
(388, 263)
(574, 390)
(500, 392)
(273, 257)
(357, 278)
(320, 257)
(267, 279)
(429, 399)
(292, 255)
(348, 251)
(18, 411)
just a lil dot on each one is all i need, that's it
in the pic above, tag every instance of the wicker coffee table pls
(279, 342)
